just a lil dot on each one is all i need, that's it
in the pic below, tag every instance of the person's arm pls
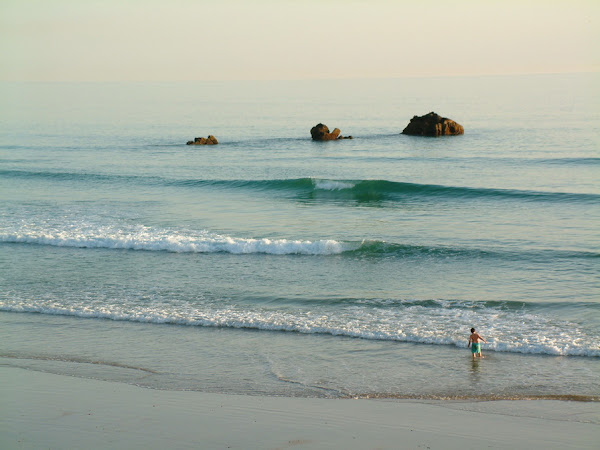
(478, 337)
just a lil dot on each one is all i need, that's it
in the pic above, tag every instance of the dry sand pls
(41, 410)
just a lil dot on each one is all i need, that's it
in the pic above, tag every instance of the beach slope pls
(41, 410)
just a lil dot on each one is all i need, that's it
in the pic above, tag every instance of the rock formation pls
(433, 125)
(320, 132)
(210, 140)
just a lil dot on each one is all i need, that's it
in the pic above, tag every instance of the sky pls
(176, 40)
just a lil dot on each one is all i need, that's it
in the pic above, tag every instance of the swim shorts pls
(476, 348)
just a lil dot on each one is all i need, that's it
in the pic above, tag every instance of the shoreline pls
(280, 364)
(59, 411)
(475, 398)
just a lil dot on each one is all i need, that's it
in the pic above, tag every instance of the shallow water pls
(271, 264)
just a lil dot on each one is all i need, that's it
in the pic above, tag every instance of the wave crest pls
(149, 239)
(86, 235)
(439, 325)
(356, 190)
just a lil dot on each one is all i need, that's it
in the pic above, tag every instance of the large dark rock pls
(321, 132)
(210, 140)
(433, 125)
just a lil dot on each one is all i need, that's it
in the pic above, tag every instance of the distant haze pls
(150, 40)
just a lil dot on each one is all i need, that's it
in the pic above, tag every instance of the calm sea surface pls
(271, 264)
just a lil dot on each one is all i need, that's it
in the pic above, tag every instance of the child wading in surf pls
(475, 343)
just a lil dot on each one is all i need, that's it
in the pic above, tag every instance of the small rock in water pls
(210, 140)
(321, 132)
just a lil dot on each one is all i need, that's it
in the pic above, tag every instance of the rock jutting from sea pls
(210, 140)
(321, 132)
(432, 125)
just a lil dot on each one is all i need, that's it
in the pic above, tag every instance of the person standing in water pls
(475, 343)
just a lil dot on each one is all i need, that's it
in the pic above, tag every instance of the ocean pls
(274, 265)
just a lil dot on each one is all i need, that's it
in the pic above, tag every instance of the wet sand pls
(42, 410)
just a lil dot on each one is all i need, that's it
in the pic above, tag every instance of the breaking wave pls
(180, 241)
(513, 327)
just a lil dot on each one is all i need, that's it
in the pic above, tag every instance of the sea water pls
(274, 265)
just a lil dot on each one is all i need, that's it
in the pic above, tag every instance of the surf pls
(508, 330)
(84, 235)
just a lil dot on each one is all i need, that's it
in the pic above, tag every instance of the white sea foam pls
(416, 324)
(155, 239)
(332, 185)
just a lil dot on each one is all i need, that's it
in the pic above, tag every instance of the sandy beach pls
(42, 410)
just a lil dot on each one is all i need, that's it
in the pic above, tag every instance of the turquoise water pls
(271, 264)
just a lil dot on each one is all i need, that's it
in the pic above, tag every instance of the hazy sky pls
(114, 40)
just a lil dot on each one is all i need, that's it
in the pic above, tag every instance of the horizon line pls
(332, 78)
